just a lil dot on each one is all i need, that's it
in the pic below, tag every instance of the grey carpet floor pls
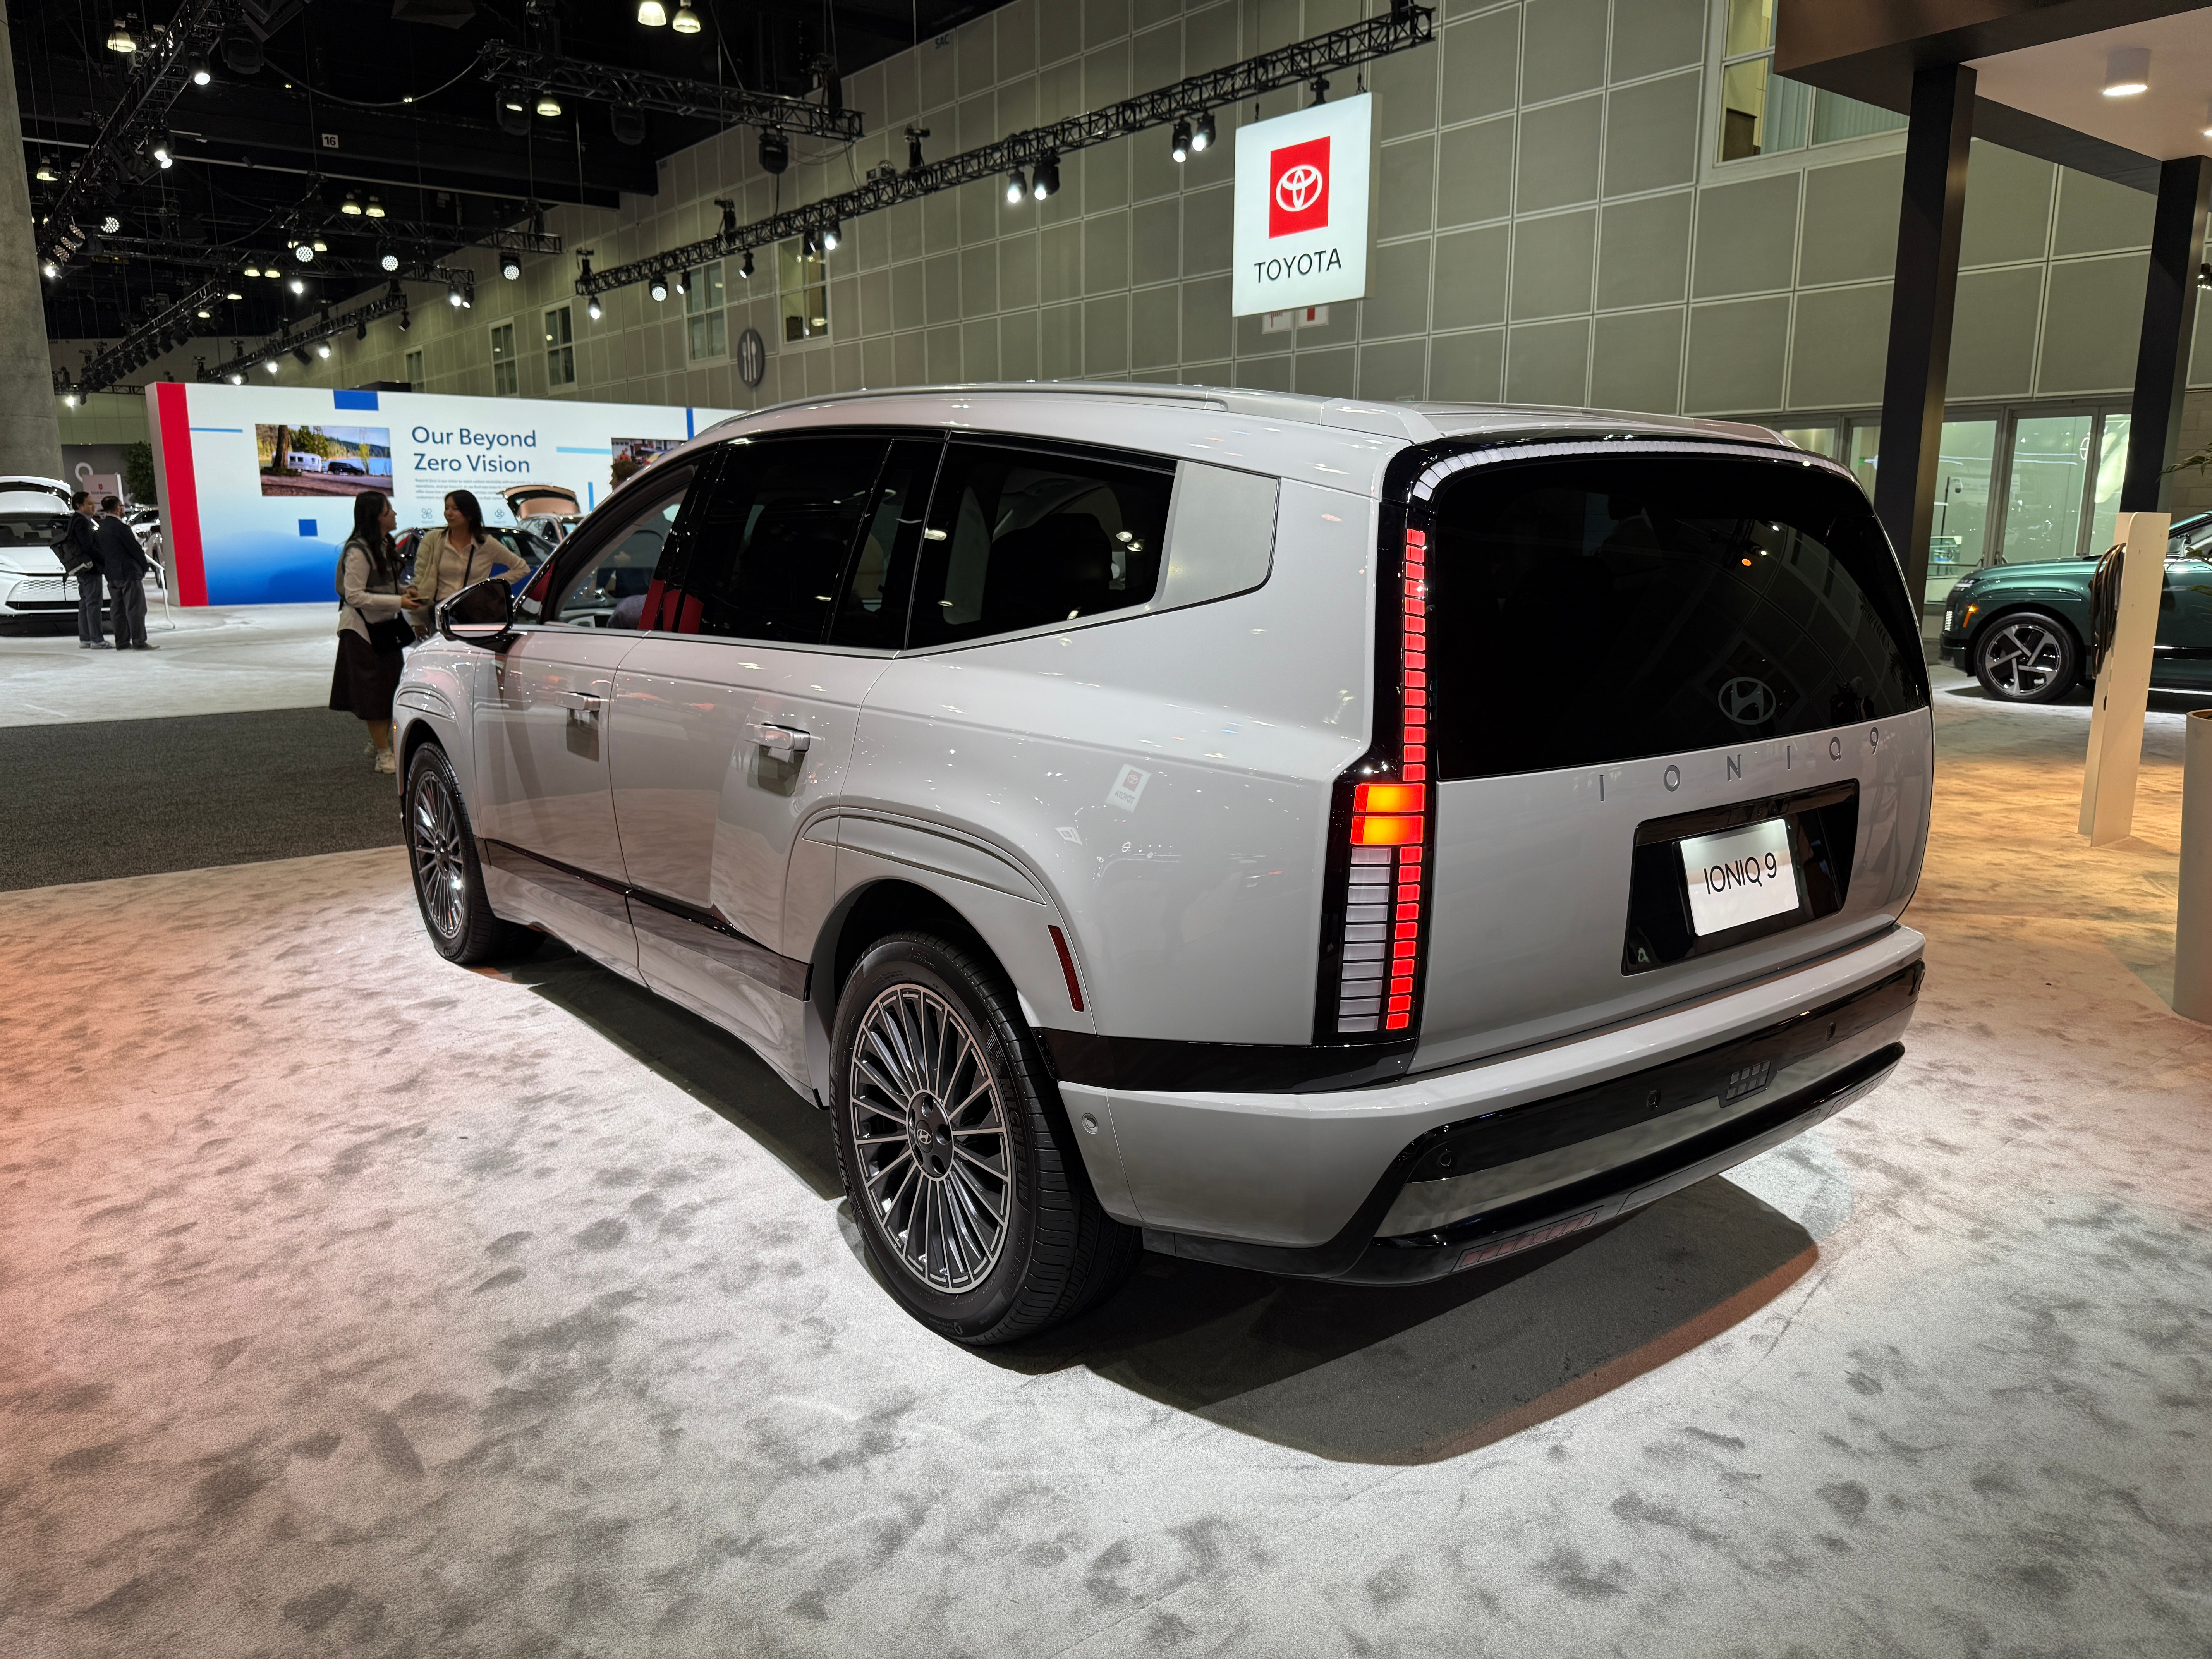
(134, 798)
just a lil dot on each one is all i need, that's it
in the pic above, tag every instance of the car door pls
(731, 733)
(545, 802)
(2183, 653)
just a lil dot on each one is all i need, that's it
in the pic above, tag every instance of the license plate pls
(1740, 875)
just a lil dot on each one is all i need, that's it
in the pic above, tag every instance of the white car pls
(34, 514)
(1353, 840)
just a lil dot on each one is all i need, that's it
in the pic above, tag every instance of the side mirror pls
(481, 615)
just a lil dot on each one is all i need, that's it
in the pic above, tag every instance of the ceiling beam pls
(667, 94)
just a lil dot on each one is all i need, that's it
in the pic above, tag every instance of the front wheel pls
(2026, 657)
(970, 1198)
(441, 852)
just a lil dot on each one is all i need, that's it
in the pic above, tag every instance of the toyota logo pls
(1747, 702)
(1300, 187)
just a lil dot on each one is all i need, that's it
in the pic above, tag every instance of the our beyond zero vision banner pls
(257, 481)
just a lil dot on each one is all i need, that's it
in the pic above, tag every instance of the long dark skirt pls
(365, 678)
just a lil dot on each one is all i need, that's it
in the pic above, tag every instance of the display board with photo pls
(323, 460)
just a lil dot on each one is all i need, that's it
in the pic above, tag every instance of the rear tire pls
(441, 853)
(968, 1192)
(2026, 656)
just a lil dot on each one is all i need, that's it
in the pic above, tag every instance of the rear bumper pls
(1415, 1180)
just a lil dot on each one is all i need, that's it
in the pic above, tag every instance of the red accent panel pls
(180, 496)
(655, 591)
(1067, 966)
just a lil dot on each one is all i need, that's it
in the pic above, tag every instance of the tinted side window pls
(872, 606)
(607, 579)
(1020, 539)
(769, 545)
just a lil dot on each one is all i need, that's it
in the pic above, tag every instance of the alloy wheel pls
(440, 873)
(929, 1129)
(2022, 657)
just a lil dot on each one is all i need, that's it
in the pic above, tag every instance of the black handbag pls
(393, 633)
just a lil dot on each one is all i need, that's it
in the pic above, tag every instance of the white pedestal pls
(2192, 919)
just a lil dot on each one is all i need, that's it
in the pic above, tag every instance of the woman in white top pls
(371, 633)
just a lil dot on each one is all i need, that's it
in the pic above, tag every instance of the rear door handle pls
(778, 739)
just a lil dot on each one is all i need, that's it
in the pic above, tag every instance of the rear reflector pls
(1067, 966)
(1496, 1248)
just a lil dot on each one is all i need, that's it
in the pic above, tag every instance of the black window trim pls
(583, 546)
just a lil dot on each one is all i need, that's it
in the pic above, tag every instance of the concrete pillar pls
(2169, 327)
(30, 437)
(1930, 213)
(2192, 922)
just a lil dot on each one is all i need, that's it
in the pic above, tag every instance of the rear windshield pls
(1587, 611)
(32, 529)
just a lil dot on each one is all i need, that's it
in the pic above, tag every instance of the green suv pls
(2023, 629)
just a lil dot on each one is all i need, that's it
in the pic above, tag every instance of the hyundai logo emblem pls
(1298, 187)
(1747, 702)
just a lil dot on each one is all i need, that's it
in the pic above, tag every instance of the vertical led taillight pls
(1384, 887)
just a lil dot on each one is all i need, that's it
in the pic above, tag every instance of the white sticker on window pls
(1128, 789)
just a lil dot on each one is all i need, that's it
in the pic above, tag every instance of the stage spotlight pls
(510, 267)
(659, 289)
(686, 20)
(196, 66)
(775, 150)
(1202, 139)
(119, 39)
(1017, 187)
(830, 238)
(1045, 177)
(1178, 145)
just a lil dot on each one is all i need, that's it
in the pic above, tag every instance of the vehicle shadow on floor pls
(708, 1064)
(1416, 1374)
(1354, 1373)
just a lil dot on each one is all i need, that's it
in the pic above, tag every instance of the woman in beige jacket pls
(447, 561)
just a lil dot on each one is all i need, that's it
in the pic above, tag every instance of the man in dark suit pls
(124, 563)
(80, 556)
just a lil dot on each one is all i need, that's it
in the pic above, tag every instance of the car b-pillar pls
(1929, 214)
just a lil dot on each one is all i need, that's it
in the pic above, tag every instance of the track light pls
(297, 285)
(775, 150)
(729, 216)
(68, 400)
(324, 350)
(304, 253)
(271, 366)
(388, 260)
(119, 39)
(810, 245)
(361, 329)
(683, 283)
(745, 265)
(592, 308)
(548, 105)
(830, 238)
(510, 267)
(1017, 188)
(196, 66)
(1045, 177)
(237, 379)
(300, 352)
(659, 289)
(514, 115)
(234, 296)
(686, 20)
(375, 209)
(46, 174)
(1179, 145)
(250, 270)
(652, 14)
(320, 246)
(204, 314)
(159, 149)
(351, 206)
(406, 321)
(51, 269)
(1202, 138)
(453, 295)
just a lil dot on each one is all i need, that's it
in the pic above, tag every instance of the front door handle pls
(779, 740)
(583, 702)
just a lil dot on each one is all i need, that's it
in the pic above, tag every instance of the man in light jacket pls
(460, 556)
(80, 556)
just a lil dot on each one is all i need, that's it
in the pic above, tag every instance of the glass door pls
(1958, 539)
(2048, 487)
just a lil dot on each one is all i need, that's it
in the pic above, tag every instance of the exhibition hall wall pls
(257, 482)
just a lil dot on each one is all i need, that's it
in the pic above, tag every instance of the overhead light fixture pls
(196, 66)
(510, 267)
(775, 150)
(68, 400)
(810, 245)
(830, 238)
(1017, 187)
(271, 366)
(51, 269)
(513, 114)
(1179, 146)
(159, 149)
(351, 206)
(652, 14)
(306, 362)
(1202, 138)
(298, 285)
(453, 295)
(361, 329)
(729, 216)
(324, 350)
(406, 321)
(242, 52)
(683, 281)
(304, 253)
(388, 260)
(2127, 72)
(234, 296)
(1045, 177)
(237, 379)
(46, 174)
(626, 125)
(745, 265)
(110, 225)
(548, 105)
(686, 20)
(119, 39)
(250, 270)
(321, 247)
(659, 289)
(203, 312)
(592, 308)
(375, 209)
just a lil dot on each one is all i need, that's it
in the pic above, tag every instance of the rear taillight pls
(1379, 861)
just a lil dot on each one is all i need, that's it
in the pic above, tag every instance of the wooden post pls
(2116, 726)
